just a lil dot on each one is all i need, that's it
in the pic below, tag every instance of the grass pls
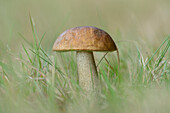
(36, 81)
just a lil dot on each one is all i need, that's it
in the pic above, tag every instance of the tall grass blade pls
(108, 83)
(27, 54)
(163, 53)
(157, 50)
(25, 39)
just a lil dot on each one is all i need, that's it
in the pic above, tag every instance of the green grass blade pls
(45, 54)
(157, 50)
(27, 54)
(25, 39)
(163, 53)
(108, 83)
(32, 27)
(42, 58)
(39, 45)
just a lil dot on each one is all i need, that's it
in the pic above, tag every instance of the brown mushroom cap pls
(85, 38)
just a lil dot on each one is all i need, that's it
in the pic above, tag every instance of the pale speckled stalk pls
(87, 72)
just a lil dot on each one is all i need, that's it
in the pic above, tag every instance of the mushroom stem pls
(87, 71)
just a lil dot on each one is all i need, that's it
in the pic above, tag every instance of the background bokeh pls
(144, 21)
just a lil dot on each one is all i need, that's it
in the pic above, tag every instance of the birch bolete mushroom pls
(84, 40)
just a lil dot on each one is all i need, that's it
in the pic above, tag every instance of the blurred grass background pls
(144, 21)
(138, 27)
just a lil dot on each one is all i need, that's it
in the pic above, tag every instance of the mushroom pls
(84, 40)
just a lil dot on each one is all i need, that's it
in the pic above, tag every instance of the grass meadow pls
(34, 79)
